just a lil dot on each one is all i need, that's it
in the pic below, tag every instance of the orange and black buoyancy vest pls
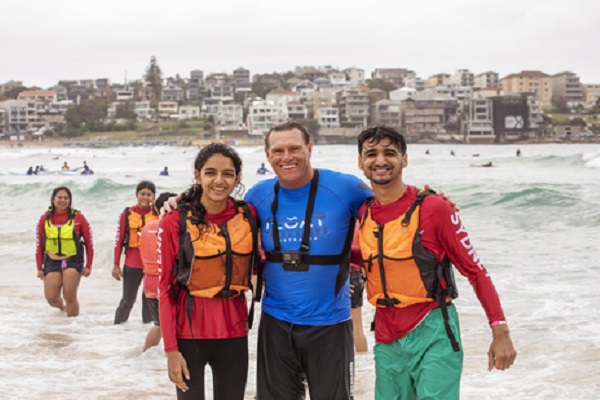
(223, 256)
(134, 223)
(400, 271)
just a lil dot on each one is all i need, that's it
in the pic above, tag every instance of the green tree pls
(87, 115)
(381, 84)
(153, 77)
(13, 93)
(126, 110)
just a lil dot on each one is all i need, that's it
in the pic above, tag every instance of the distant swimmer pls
(63, 235)
(65, 167)
(518, 152)
(452, 153)
(87, 170)
(262, 170)
(164, 172)
(42, 168)
(30, 171)
(427, 151)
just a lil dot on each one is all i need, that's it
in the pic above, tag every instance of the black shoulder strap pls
(420, 196)
(180, 264)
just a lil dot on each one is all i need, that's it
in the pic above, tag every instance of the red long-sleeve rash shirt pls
(132, 256)
(442, 234)
(82, 229)
(215, 318)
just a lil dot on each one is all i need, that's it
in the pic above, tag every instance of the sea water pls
(534, 221)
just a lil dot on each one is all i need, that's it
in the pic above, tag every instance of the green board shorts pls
(422, 364)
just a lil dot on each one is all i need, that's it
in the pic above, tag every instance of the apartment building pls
(296, 110)
(222, 91)
(402, 94)
(386, 112)
(511, 117)
(438, 80)
(168, 109)
(211, 106)
(328, 117)
(430, 112)
(463, 77)
(415, 82)
(486, 79)
(40, 96)
(188, 112)
(172, 92)
(16, 115)
(591, 93)
(230, 117)
(396, 76)
(530, 81)
(478, 121)
(195, 84)
(354, 106)
(356, 76)
(3, 129)
(567, 91)
(262, 115)
(241, 75)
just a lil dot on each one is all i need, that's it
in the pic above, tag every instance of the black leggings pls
(132, 278)
(228, 359)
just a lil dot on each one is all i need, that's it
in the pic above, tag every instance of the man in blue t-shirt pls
(305, 330)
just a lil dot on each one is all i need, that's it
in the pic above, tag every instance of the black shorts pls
(290, 356)
(51, 265)
(358, 281)
(153, 310)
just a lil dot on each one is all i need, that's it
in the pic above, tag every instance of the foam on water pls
(533, 220)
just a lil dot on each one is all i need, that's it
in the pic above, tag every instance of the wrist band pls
(497, 323)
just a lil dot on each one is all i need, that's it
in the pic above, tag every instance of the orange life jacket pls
(223, 256)
(149, 248)
(400, 271)
(134, 223)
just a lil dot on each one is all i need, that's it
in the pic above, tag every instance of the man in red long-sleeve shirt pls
(408, 245)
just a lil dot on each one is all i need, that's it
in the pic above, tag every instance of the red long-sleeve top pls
(132, 256)
(82, 229)
(442, 233)
(214, 318)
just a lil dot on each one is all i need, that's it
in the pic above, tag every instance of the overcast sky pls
(43, 41)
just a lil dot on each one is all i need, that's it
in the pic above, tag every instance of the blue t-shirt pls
(308, 298)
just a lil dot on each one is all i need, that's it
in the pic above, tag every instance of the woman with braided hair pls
(208, 249)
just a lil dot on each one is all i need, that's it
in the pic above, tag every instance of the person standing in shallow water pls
(62, 235)
(211, 240)
(408, 239)
(131, 222)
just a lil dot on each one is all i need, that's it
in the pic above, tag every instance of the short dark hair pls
(146, 185)
(380, 132)
(160, 200)
(288, 126)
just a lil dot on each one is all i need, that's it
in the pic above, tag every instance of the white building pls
(328, 117)
(189, 112)
(262, 115)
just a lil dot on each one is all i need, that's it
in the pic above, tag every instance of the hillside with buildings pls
(334, 103)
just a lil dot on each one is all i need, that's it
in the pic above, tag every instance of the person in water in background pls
(65, 166)
(262, 170)
(164, 172)
(408, 238)
(150, 259)
(518, 152)
(30, 171)
(203, 311)
(131, 222)
(62, 235)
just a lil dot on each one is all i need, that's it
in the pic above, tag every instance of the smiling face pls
(218, 178)
(61, 201)
(145, 197)
(289, 156)
(382, 163)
